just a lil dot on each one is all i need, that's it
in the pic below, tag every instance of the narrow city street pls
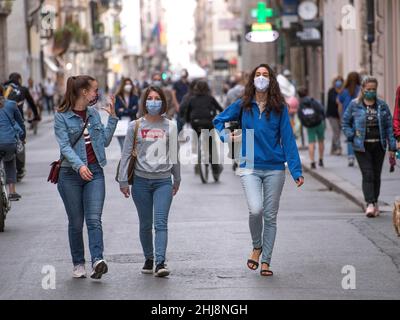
(319, 233)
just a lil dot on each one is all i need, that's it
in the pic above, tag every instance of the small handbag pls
(56, 165)
(133, 158)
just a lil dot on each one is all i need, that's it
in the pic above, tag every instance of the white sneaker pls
(370, 212)
(377, 211)
(79, 272)
(99, 268)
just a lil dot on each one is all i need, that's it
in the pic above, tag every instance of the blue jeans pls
(153, 200)
(121, 141)
(350, 150)
(83, 200)
(9, 162)
(263, 189)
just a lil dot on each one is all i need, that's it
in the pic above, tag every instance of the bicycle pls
(5, 205)
(204, 157)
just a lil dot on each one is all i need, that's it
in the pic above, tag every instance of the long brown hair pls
(145, 96)
(74, 87)
(353, 81)
(121, 90)
(275, 102)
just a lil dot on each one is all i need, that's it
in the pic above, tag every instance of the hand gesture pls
(110, 108)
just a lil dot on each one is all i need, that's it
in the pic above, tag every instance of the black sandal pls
(252, 264)
(266, 273)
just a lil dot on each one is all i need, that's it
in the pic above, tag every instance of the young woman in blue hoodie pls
(267, 144)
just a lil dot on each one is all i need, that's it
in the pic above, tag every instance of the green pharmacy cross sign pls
(262, 30)
(262, 12)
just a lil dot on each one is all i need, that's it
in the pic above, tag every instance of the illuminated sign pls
(262, 31)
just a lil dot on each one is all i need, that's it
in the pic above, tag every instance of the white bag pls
(122, 127)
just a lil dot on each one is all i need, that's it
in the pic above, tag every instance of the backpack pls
(14, 93)
(310, 114)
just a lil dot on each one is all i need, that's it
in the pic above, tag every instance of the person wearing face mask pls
(126, 108)
(367, 124)
(172, 103)
(265, 121)
(332, 114)
(82, 139)
(153, 188)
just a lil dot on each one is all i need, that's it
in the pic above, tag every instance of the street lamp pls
(5, 10)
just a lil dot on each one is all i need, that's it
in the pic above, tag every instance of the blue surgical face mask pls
(154, 107)
(338, 84)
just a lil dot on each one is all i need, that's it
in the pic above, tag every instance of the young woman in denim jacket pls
(11, 127)
(367, 124)
(262, 170)
(81, 181)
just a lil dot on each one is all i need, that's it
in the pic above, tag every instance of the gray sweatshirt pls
(157, 150)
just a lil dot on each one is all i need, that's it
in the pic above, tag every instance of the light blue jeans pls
(350, 150)
(153, 200)
(263, 189)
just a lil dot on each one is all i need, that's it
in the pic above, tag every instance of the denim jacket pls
(11, 123)
(68, 126)
(355, 121)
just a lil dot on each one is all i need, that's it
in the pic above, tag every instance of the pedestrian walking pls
(82, 139)
(12, 129)
(153, 138)
(200, 112)
(49, 93)
(396, 118)
(312, 116)
(126, 108)
(263, 112)
(350, 92)
(367, 124)
(333, 116)
(15, 91)
(180, 89)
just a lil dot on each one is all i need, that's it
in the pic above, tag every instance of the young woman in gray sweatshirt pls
(153, 187)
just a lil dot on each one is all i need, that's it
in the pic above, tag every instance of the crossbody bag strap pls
(80, 136)
(135, 137)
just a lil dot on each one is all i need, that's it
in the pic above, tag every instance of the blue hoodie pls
(274, 142)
